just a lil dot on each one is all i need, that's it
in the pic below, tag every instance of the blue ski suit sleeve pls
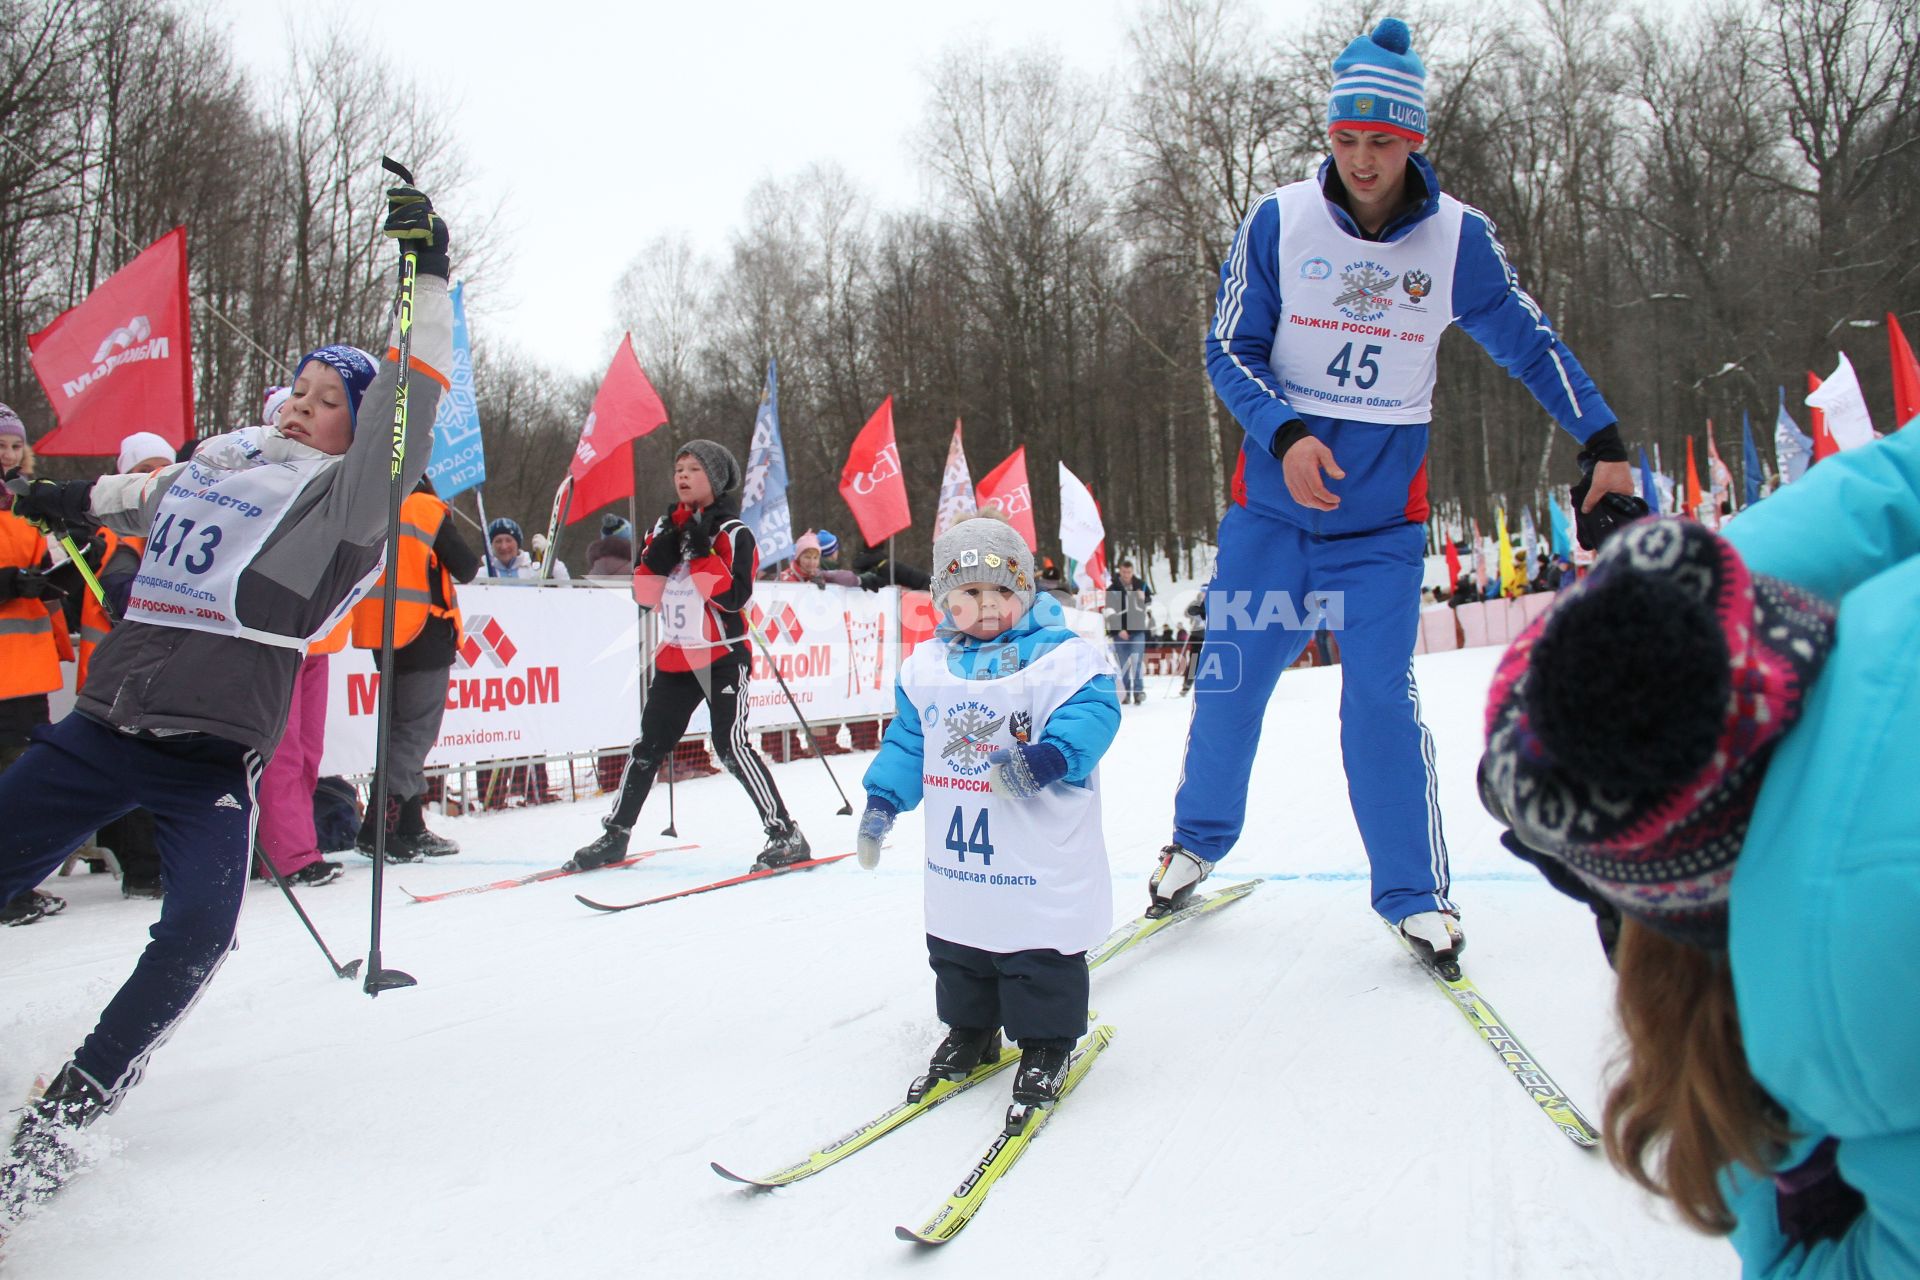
(1083, 726)
(1245, 315)
(1492, 308)
(1846, 520)
(895, 774)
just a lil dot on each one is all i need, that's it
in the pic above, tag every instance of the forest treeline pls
(1708, 200)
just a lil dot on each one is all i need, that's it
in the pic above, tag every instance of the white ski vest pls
(206, 530)
(1360, 322)
(1001, 874)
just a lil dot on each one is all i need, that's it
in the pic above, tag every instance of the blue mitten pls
(874, 825)
(1025, 770)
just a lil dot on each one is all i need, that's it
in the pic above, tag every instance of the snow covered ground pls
(1288, 1094)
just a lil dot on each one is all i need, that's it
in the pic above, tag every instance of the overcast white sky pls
(601, 125)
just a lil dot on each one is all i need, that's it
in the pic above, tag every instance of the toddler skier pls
(1003, 717)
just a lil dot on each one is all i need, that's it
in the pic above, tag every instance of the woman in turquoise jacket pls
(1746, 810)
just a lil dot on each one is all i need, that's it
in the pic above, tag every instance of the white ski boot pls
(1435, 936)
(1173, 884)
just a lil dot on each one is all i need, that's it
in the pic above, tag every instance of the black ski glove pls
(696, 535)
(54, 506)
(412, 221)
(1611, 512)
(871, 582)
(661, 551)
(27, 584)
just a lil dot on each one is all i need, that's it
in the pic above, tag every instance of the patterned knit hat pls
(1629, 727)
(1380, 84)
(982, 549)
(10, 424)
(355, 367)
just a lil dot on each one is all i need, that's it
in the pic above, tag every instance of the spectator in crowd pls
(505, 557)
(557, 571)
(34, 640)
(1048, 579)
(611, 554)
(805, 565)
(1465, 591)
(426, 638)
(876, 569)
(1128, 623)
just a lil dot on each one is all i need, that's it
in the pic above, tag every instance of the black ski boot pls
(957, 1057)
(398, 848)
(412, 829)
(610, 847)
(42, 1153)
(1043, 1070)
(785, 846)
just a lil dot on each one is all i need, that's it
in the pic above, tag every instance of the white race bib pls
(208, 528)
(683, 612)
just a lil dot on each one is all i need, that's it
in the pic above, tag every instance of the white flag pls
(1082, 533)
(956, 488)
(1845, 407)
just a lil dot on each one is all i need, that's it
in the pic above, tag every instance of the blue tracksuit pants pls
(79, 775)
(1261, 612)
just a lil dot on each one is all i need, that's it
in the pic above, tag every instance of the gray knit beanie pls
(723, 470)
(982, 549)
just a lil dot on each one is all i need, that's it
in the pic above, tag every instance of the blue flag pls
(1792, 447)
(1749, 462)
(1648, 489)
(763, 503)
(459, 459)
(1562, 538)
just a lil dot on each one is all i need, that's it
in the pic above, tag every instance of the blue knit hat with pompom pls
(1380, 84)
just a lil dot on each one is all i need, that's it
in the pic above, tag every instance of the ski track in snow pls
(1288, 1093)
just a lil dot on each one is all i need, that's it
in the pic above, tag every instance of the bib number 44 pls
(963, 842)
(176, 534)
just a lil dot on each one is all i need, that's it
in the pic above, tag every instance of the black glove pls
(696, 535)
(1611, 512)
(871, 582)
(1606, 916)
(412, 221)
(54, 506)
(662, 551)
(27, 584)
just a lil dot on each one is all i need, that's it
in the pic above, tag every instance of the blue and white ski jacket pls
(1319, 328)
(1082, 727)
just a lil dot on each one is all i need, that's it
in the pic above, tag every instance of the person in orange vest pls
(33, 641)
(426, 637)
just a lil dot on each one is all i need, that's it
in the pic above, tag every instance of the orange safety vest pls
(31, 642)
(95, 621)
(420, 518)
(335, 640)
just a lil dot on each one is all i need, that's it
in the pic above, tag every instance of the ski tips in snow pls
(1527, 1073)
(730, 881)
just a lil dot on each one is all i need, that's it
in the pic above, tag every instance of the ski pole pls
(378, 977)
(846, 805)
(18, 485)
(339, 971)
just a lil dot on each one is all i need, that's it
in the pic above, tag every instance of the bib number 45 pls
(172, 537)
(964, 842)
(1364, 373)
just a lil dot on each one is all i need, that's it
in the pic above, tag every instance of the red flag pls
(122, 360)
(1453, 567)
(1906, 376)
(1824, 445)
(1005, 489)
(1693, 483)
(626, 408)
(871, 482)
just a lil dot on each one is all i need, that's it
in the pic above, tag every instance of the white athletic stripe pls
(253, 766)
(1566, 383)
(1436, 838)
(1399, 79)
(748, 768)
(1233, 290)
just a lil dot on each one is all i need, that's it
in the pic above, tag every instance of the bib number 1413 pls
(177, 534)
(963, 841)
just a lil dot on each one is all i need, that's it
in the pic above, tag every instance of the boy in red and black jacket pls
(696, 572)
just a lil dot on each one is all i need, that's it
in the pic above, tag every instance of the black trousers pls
(671, 700)
(1039, 997)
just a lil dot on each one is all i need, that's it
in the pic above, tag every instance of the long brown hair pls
(1685, 1105)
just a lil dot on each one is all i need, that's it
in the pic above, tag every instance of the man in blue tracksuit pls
(1324, 346)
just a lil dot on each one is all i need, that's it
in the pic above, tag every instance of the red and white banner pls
(626, 408)
(1006, 490)
(837, 648)
(956, 488)
(872, 483)
(121, 361)
(544, 671)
